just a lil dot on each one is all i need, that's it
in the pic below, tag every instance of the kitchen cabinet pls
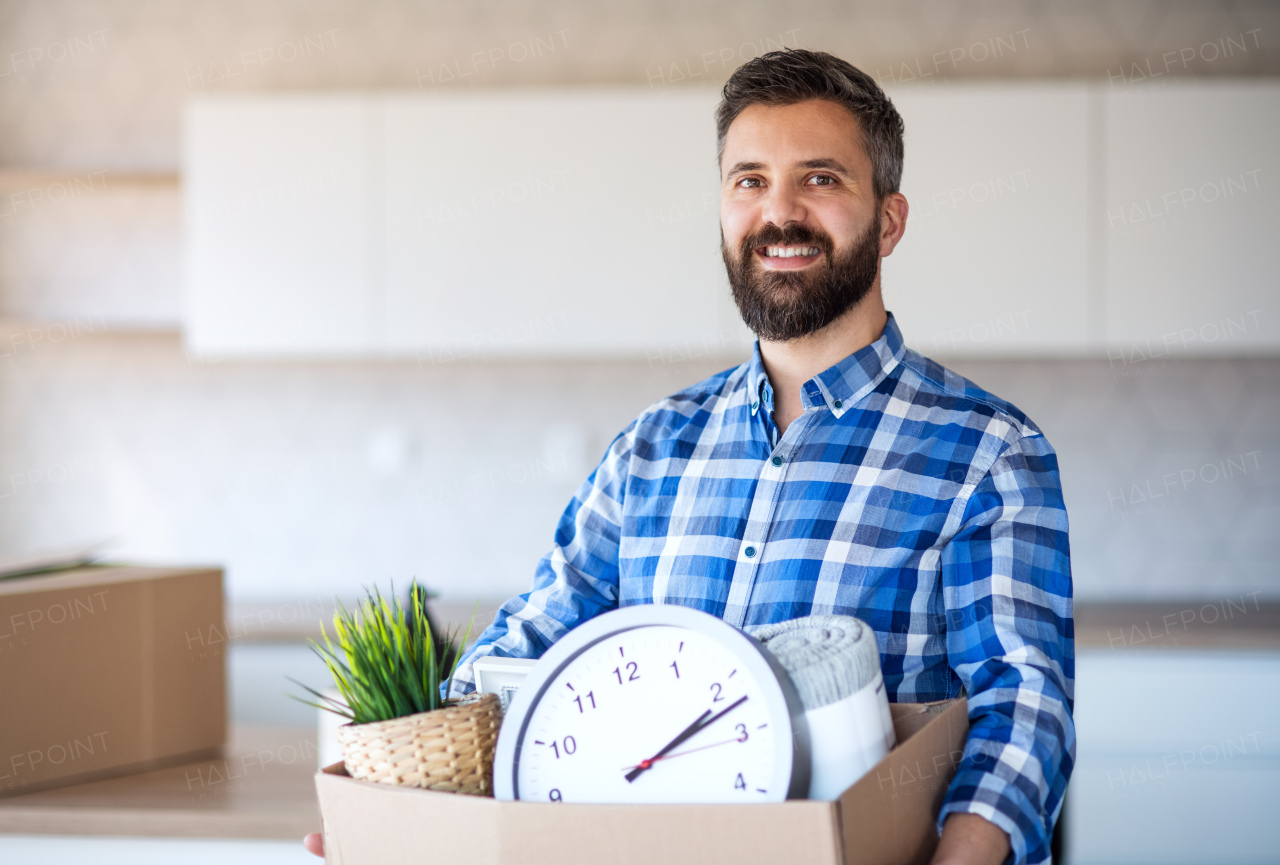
(1192, 263)
(553, 223)
(507, 223)
(279, 195)
(1178, 757)
(1047, 219)
(995, 258)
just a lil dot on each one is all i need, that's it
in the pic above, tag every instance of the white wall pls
(308, 479)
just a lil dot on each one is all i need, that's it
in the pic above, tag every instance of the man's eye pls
(822, 179)
(748, 182)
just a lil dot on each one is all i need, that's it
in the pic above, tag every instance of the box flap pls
(378, 823)
(887, 817)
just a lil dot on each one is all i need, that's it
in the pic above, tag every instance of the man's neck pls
(790, 364)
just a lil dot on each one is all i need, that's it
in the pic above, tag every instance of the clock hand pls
(693, 729)
(684, 735)
(690, 751)
(735, 704)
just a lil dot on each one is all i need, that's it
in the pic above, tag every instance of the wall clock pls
(654, 703)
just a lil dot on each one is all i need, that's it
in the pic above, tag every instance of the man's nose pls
(783, 205)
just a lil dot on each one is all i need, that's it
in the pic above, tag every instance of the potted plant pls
(389, 670)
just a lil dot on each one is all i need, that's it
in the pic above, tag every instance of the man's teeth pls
(789, 251)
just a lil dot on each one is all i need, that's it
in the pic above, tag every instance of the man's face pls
(800, 225)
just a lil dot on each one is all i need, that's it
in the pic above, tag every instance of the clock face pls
(645, 708)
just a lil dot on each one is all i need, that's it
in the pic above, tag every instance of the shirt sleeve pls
(576, 580)
(1006, 578)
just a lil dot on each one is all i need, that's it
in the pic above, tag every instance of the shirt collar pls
(841, 386)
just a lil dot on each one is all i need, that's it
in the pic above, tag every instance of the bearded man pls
(837, 471)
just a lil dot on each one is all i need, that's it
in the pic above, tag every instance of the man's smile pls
(792, 257)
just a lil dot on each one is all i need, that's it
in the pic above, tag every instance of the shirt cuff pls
(982, 791)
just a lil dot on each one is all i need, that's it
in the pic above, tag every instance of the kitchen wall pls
(308, 479)
(91, 84)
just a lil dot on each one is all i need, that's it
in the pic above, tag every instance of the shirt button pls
(839, 404)
(754, 406)
(777, 461)
(750, 552)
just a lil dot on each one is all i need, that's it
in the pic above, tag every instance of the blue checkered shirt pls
(904, 495)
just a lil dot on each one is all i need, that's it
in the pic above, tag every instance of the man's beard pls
(781, 305)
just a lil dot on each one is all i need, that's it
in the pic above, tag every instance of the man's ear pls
(893, 221)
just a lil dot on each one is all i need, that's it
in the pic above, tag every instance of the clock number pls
(632, 667)
(715, 686)
(677, 669)
(570, 745)
(742, 732)
(591, 695)
(555, 795)
(740, 784)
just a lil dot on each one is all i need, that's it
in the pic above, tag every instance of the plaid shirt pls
(904, 495)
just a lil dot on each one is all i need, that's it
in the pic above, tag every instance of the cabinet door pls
(994, 261)
(1171, 745)
(1193, 266)
(276, 192)
(554, 223)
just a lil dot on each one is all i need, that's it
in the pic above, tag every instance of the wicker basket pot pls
(448, 749)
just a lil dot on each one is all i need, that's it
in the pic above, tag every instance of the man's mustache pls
(788, 235)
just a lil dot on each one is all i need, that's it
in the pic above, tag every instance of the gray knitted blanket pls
(828, 657)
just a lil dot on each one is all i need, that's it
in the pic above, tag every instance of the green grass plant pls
(386, 663)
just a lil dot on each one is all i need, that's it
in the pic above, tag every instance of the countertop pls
(262, 787)
(1239, 622)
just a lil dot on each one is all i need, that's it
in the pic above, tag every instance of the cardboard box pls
(886, 818)
(106, 670)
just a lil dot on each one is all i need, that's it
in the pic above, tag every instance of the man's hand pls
(315, 843)
(968, 839)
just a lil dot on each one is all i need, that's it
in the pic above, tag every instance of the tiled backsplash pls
(310, 479)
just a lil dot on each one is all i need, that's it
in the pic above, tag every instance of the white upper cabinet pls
(277, 193)
(553, 223)
(495, 224)
(995, 259)
(1193, 250)
(1045, 219)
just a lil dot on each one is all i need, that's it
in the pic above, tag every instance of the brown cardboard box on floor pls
(106, 670)
(886, 818)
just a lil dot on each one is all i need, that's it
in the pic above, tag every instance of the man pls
(837, 471)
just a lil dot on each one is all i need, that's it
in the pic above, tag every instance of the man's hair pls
(797, 75)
